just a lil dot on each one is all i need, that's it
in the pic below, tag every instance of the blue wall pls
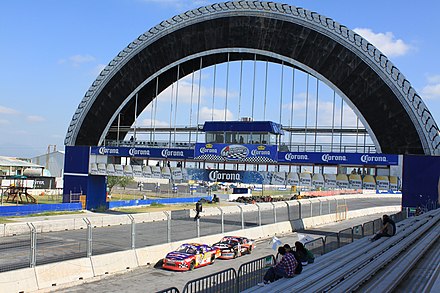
(129, 203)
(38, 208)
(421, 181)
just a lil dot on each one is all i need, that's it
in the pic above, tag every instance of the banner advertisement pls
(342, 181)
(44, 182)
(393, 183)
(176, 173)
(139, 152)
(305, 179)
(156, 172)
(137, 171)
(166, 173)
(369, 182)
(355, 181)
(236, 152)
(330, 181)
(382, 183)
(292, 179)
(337, 158)
(318, 180)
(278, 178)
(146, 172)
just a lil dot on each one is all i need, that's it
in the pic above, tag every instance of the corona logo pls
(328, 157)
(261, 148)
(136, 152)
(208, 146)
(107, 151)
(368, 158)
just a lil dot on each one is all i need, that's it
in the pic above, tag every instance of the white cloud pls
(35, 118)
(431, 91)
(157, 123)
(385, 42)
(8, 111)
(4, 122)
(77, 60)
(206, 114)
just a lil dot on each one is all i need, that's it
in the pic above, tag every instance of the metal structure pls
(268, 32)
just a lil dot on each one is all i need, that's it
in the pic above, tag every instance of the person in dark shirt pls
(284, 269)
(388, 230)
(198, 210)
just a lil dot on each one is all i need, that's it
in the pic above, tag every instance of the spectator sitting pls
(284, 269)
(388, 230)
(304, 256)
(299, 267)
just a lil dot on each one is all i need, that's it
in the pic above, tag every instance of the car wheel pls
(192, 266)
(250, 250)
(212, 259)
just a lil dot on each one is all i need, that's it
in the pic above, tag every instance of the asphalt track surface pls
(150, 279)
(64, 245)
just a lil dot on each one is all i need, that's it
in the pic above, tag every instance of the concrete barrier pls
(149, 217)
(114, 262)
(370, 211)
(55, 274)
(2, 230)
(23, 280)
(12, 229)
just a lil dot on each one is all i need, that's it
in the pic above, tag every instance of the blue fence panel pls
(23, 210)
(138, 202)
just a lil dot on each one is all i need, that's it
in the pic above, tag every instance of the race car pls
(234, 246)
(190, 256)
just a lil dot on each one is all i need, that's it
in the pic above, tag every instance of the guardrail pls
(250, 273)
(316, 246)
(223, 281)
(169, 290)
(334, 241)
(229, 281)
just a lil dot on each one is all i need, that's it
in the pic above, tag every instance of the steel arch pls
(375, 87)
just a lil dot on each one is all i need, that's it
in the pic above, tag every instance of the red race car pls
(189, 256)
(234, 246)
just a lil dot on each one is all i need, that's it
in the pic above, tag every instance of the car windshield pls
(229, 240)
(187, 249)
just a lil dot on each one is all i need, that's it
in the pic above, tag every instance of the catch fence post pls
(89, 236)
(33, 248)
(222, 219)
(168, 226)
(133, 231)
(242, 217)
(274, 212)
(259, 214)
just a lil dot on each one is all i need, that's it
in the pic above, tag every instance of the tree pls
(112, 181)
(124, 181)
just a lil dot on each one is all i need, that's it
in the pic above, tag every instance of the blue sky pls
(52, 50)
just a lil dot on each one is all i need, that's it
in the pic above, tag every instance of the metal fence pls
(250, 273)
(33, 246)
(169, 290)
(231, 281)
(316, 246)
(224, 281)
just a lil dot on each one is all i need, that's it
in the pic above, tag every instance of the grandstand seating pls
(346, 268)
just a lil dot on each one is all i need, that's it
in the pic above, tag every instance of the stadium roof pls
(13, 162)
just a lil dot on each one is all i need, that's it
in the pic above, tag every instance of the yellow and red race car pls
(189, 256)
(234, 246)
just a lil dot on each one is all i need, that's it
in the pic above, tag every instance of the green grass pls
(51, 214)
(5, 220)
